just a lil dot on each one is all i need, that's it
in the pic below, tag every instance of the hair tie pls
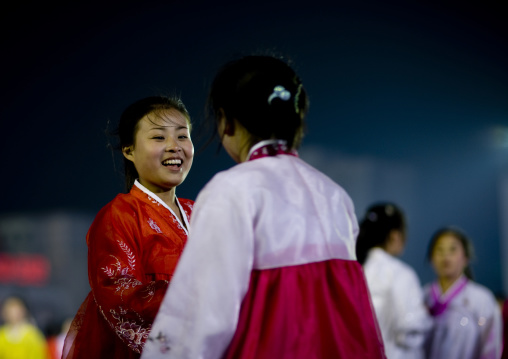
(280, 92)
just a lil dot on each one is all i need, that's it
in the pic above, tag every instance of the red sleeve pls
(126, 299)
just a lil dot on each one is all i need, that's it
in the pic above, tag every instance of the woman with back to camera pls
(394, 286)
(269, 270)
(467, 318)
(136, 240)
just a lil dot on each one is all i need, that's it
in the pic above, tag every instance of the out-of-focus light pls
(499, 137)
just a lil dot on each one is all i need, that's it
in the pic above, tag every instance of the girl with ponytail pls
(269, 270)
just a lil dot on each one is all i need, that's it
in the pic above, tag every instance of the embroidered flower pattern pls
(150, 290)
(131, 332)
(154, 225)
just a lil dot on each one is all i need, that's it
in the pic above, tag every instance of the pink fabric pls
(504, 313)
(271, 149)
(316, 310)
(441, 302)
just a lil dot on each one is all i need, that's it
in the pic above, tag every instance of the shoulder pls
(124, 209)
(122, 202)
(186, 202)
(481, 300)
(426, 288)
(382, 261)
(285, 169)
(480, 292)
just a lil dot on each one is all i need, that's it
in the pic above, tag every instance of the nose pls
(172, 145)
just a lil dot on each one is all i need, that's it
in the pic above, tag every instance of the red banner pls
(24, 269)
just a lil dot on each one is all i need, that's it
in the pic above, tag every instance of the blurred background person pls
(20, 338)
(395, 288)
(56, 340)
(467, 318)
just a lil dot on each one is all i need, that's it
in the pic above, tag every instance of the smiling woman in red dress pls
(136, 240)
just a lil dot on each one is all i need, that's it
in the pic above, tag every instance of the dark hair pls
(379, 220)
(243, 89)
(463, 239)
(128, 126)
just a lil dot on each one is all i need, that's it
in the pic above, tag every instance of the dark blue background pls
(416, 88)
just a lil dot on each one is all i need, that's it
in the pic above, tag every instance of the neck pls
(168, 197)
(447, 282)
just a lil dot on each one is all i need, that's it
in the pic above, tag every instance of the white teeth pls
(172, 162)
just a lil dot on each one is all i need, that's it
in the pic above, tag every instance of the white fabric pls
(470, 328)
(162, 203)
(266, 213)
(397, 298)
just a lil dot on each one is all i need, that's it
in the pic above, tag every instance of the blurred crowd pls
(452, 317)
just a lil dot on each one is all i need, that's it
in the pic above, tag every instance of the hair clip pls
(389, 210)
(280, 92)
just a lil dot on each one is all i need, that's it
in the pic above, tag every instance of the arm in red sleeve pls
(126, 299)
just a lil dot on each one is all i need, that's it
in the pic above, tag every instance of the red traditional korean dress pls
(134, 244)
(269, 271)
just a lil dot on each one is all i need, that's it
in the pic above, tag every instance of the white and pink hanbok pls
(269, 270)
(467, 322)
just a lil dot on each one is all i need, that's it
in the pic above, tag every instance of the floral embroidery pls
(150, 290)
(130, 256)
(122, 275)
(154, 225)
(176, 221)
(131, 332)
(153, 200)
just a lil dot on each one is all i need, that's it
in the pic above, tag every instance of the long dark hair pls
(128, 125)
(464, 240)
(243, 89)
(379, 220)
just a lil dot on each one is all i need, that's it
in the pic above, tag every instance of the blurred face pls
(449, 257)
(13, 311)
(163, 151)
(396, 242)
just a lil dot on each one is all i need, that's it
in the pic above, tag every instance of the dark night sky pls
(421, 87)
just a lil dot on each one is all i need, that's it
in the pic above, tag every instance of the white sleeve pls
(199, 313)
(412, 321)
(491, 329)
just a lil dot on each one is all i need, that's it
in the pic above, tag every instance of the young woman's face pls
(163, 151)
(449, 257)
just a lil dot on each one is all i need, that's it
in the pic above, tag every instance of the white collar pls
(161, 202)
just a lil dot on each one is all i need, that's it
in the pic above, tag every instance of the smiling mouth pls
(172, 162)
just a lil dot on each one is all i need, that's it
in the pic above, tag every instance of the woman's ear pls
(230, 128)
(225, 127)
(128, 152)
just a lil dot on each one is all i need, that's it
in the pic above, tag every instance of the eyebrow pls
(178, 127)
